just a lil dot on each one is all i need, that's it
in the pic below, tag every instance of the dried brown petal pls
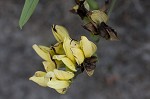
(81, 8)
(107, 32)
(90, 65)
(91, 28)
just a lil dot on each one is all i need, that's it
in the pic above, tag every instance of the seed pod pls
(98, 16)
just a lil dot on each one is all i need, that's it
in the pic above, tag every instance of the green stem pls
(112, 7)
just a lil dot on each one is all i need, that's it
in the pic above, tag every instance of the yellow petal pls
(49, 50)
(39, 78)
(78, 54)
(88, 47)
(63, 75)
(58, 60)
(50, 75)
(41, 52)
(66, 61)
(59, 57)
(99, 16)
(74, 44)
(59, 64)
(44, 48)
(61, 91)
(58, 48)
(57, 84)
(40, 74)
(59, 32)
(69, 63)
(67, 46)
(49, 65)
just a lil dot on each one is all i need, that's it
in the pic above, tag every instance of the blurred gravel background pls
(123, 71)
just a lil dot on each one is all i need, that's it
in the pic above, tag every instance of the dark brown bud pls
(89, 65)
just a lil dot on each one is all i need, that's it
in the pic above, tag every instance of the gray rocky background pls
(123, 71)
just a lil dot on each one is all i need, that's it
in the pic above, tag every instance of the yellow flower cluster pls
(61, 60)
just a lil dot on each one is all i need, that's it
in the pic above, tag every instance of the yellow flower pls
(39, 78)
(59, 80)
(59, 32)
(60, 60)
(88, 47)
(56, 79)
(58, 48)
(99, 16)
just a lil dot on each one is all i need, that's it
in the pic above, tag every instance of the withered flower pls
(89, 65)
(81, 8)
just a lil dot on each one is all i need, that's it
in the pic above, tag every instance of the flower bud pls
(98, 16)
(89, 65)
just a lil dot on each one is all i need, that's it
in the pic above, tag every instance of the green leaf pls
(27, 11)
(93, 4)
(112, 6)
